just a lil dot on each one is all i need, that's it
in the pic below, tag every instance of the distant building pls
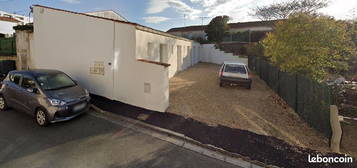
(108, 14)
(197, 32)
(9, 20)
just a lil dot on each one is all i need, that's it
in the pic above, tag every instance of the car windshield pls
(235, 68)
(55, 81)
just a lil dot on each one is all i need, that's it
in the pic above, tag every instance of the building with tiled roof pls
(8, 21)
(195, 32)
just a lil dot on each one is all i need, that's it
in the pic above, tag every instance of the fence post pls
(296, 92)
(336, 129)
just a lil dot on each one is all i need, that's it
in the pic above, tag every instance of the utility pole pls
(184, 19)
(202, 18)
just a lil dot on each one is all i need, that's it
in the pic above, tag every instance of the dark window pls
(235, 68)
(28, 83)
(15, 78)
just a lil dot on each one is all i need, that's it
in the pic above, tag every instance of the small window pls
(15, 78)
(28, 83)
(150, 50)
(163, 53)
(172, 49)
(234, 68)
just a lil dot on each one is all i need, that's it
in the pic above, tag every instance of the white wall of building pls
(7, 27)
(212, 55)
(137, 83)
(151, 51)
(76, 48)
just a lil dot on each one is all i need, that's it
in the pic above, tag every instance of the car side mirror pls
(75, 82)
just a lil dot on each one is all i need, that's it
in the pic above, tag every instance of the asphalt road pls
(88, 142)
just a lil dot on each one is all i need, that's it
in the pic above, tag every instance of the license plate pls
(79, 107)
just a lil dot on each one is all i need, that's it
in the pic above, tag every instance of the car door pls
(12, 89)
(28, 95)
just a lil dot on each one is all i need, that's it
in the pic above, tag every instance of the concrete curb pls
(179, 140)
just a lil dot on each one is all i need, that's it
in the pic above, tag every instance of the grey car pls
(49, 95)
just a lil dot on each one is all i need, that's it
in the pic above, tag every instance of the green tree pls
(217, 29)
(310, 45)
(352, 29)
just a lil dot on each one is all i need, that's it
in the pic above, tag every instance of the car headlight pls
(56, 102)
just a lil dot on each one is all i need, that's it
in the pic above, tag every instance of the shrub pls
(254, 49)
(309, 45)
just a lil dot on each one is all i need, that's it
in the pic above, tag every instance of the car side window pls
(28, 83)
(15, 78)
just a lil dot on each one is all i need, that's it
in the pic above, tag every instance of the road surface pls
(88, 142)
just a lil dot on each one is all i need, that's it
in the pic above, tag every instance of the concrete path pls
(88, 141)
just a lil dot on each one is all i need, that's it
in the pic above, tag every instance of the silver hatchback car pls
(49, 95)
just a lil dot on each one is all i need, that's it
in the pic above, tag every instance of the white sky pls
(238, 10)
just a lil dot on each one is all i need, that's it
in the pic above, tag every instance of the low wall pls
(212, 55)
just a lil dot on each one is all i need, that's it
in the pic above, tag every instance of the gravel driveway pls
(195, 93)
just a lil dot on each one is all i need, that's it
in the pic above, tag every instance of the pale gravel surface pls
(195, 93)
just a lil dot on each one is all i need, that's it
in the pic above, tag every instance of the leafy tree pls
(284, 9)
(255, 49)
(310, 45)
(352, 29)
(217, 29)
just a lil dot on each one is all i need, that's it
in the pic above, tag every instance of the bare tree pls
(284, 9)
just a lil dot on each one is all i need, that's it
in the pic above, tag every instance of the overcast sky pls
(165, 14)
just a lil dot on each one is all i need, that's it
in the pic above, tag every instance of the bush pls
(309, 45)
(254, 49)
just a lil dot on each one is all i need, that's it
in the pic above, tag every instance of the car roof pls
(237, 63)
(36, 72)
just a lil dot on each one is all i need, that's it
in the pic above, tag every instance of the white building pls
(9, 20)
(195, 32)
(116, 59)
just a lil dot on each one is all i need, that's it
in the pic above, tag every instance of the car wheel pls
(3, 105)
(41, 117)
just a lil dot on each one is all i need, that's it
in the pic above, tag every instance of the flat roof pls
(137, 26)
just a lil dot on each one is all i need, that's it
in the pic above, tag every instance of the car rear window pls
(235, 68)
